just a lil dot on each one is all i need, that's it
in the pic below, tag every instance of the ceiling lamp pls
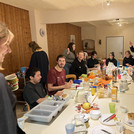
(108, 2)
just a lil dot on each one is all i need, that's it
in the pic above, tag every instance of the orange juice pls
(92, 91)
(114, 94)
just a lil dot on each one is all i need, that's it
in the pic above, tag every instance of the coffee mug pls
(13, 81)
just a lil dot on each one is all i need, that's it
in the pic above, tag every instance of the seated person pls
(57, 76)
(78, 66)
(33, 91)
(111, 59)
(128, 59)
(93, 63)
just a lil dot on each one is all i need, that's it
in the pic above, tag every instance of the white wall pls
(102, 31)
(88, 32)
(36, 23)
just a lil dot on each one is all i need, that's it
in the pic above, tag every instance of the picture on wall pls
(88, 44)
(72, 38)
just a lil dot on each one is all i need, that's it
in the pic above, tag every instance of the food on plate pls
(64, 95)
(80, 108)
(127, 131)
(131, 116)
(86, 105)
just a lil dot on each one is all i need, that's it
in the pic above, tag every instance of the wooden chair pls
(28, 107)
(68, 76)
(120, 61)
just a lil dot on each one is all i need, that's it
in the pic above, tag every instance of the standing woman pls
(8, 121)
(70, 55)
(111, 59)
(39, 59)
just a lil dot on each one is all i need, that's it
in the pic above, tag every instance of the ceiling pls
(112, 22)
(59, 4)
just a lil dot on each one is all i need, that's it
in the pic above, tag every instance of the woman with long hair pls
(111, 59)
(70, 55)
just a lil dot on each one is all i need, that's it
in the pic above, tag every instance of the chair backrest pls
(28, 107)
(71, 76)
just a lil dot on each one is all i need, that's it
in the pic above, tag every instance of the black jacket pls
(129, 61)
(91, 62)
(40, 60)
(78, 68)
(132, 48)
(114, 61)
(8, 120)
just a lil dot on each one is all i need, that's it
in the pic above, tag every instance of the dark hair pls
(31, 72)
(60, 56)
(128, 52)
(70, 46)
(93, 53)
(34, 46)
(112, 54)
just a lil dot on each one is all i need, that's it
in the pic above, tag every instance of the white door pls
(115, 44)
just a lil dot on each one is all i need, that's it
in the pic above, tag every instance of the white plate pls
(98, 130)
(66, 96)
(109, 123)
(125, 120)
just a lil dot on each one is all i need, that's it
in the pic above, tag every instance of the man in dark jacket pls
(78, 66)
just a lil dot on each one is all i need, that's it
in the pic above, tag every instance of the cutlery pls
(105, 131)
(111, 118)
(108, 117)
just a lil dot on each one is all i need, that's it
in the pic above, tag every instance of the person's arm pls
(131, 46)
(41, 100)
(107, 62)
(124, 62)
(115, 62)
(55, 88)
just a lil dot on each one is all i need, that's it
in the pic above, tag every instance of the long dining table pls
(57, 125)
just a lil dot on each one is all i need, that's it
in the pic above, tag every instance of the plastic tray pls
(45, 111)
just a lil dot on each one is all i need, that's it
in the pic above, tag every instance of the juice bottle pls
(114, 94)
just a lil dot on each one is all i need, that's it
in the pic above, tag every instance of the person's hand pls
(68, 50)
(68, 85)
(130, 44)
(127, 65)
(59, 93)
(96, 65)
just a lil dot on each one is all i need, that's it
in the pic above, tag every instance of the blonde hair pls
(4, 32)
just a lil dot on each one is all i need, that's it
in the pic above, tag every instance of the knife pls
(111, 118)
(108, 117)
(105, 131)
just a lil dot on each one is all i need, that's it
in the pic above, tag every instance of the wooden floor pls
(20, 109)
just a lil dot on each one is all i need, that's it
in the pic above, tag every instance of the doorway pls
(115, 44)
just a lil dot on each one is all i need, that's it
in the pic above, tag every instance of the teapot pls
(81, 95)
(123, 85)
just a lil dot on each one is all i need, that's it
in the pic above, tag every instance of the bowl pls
(123, 109)
(95, 114)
